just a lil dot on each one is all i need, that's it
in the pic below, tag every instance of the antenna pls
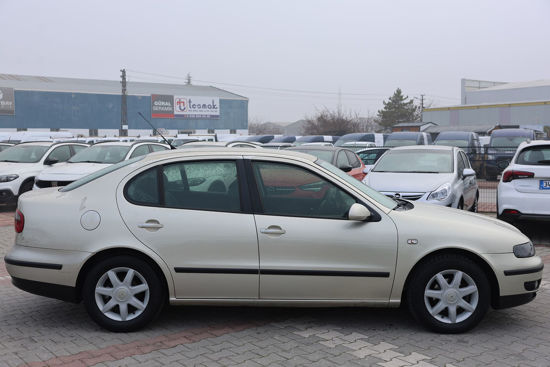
(156, 131)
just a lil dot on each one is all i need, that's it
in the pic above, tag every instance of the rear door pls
(309, 250)
(194, 215)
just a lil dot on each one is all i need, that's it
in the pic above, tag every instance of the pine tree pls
(398, 108)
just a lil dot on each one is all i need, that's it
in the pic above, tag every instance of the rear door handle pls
(273, 230)
(151, 225)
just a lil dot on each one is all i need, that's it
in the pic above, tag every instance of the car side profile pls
(288, 229)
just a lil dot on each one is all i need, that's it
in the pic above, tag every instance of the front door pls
(190, 213)
(309, 249)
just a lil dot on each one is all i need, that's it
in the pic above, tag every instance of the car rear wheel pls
(449, 294)
(122, 293)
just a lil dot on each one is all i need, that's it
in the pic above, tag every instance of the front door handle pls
(273, 230)
(151, 225)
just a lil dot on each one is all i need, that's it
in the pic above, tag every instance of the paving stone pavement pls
(37, 331)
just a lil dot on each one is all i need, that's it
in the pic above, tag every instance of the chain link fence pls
(489, 163)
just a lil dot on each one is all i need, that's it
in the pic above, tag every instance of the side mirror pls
(358, 212)
(345, 167)
(50, 161)
(468, 172)
(367, 169)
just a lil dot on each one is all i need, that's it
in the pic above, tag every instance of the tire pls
(99, 291)
(436, 313)
(474, 207)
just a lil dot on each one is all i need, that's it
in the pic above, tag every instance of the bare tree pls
(328, 122)
(265, 128)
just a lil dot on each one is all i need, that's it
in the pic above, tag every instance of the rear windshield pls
(97, 174)
(399, 142)
(24, 153)
(536, 156)
(453, 143)
(507, 141)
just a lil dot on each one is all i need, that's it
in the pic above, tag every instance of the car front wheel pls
(122, 293)
(449, 294)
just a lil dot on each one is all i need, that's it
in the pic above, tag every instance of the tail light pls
(508, 176)
(19, 221)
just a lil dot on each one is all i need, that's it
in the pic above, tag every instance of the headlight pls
(524, 250)
(441, 193)
(8, 178)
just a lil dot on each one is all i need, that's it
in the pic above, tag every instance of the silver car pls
(434, 174)
(249, 227)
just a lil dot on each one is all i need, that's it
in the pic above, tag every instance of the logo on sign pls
(181, 104)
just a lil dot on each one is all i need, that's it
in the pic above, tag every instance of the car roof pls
(533, 143)
(221, 151)
(424, 147)
(373, 148)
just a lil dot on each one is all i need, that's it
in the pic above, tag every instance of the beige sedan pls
(259, 227)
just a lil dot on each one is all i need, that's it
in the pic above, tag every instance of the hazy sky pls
(290, 58)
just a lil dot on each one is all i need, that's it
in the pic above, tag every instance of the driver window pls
(342, 160)
(289, 190)
(60, 154)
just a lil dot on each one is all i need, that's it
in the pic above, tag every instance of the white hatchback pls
(524, 189)
(232, 226)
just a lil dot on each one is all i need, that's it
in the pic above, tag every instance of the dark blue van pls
(502, 147)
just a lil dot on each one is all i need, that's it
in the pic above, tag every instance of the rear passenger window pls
(205, 185)
(143, 189)
(139, 151)
(157, 148)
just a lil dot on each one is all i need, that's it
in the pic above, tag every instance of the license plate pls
(544, 185)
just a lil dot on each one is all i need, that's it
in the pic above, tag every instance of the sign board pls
(197, 107)
(7, 101)
(162, 106)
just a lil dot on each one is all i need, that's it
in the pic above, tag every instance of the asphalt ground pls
(38, 331)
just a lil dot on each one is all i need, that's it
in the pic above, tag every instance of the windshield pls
(453, 143)
(354, 137)
(24, 153)
(507, 141)
(106, 154)
(283, 139)
(373, 194)
(417, 161)
(399, 142)
(325, 155)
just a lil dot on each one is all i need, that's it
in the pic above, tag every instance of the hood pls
(457, 228)
(8, 168)
(407, 182)
(70, 171)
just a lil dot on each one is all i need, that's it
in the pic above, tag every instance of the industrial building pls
(486, 103)
(93, 107)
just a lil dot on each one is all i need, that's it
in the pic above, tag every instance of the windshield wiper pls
(423, 172)
(9, 160)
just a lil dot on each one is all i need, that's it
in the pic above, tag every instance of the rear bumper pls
(61, 292)
(519, 217)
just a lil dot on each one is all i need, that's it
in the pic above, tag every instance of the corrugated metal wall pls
(34, 109)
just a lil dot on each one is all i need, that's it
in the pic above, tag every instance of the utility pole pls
(123, 107)
(339, 101)
(421, 105)
(188, 81)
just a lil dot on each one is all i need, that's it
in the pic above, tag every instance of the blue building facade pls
(98, 106)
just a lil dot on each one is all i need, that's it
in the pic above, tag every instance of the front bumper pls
(516, 277)
(7, 196)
